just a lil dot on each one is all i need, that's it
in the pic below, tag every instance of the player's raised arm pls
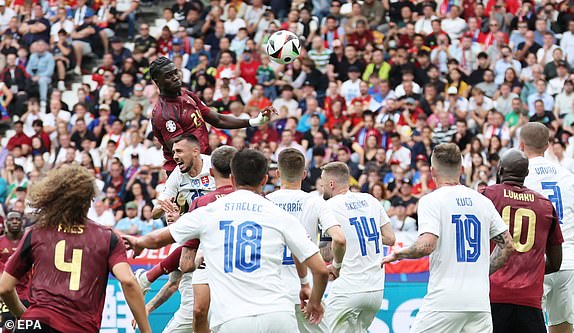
(134, 296)
(230, 122)
(502, 251)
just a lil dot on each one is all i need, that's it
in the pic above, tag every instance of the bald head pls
(446, 162)
(534, 139)
(513, 167)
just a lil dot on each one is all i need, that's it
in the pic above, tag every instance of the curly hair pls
(156, 65)
(63, 197)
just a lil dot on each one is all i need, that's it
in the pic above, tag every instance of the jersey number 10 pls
(467, 233)
(248, 240)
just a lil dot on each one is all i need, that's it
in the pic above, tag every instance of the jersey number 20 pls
(246, 243)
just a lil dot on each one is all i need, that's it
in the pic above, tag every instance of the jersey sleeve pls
(429, 217)
(171, 185)
(326, 218)
(296, 239)
(497, 225)
(21, 261)
(204, 109)
(555, 234)
(189, 226)
(117, 251)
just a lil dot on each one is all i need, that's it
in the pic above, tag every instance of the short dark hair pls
(221, 160)
(187, 137)
(291, 164)
(249, 167)
(156, 65)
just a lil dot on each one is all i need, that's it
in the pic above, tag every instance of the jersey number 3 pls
(73, 267)
(467, 233)
(247, 245)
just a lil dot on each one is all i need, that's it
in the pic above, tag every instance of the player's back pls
(243, 236)
(557, 184)
(71, 267)
(361, 217)
(533, 223)
(308, 209)
(464, 221)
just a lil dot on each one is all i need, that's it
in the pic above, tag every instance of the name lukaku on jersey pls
(243, 206)
(519, 196)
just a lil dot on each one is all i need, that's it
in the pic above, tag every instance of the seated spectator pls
(19, 139)
(542, 95)
(126, 11)
(36, 28)
(542, 116)
(83, 38)
(64, 58)
(101, 213)
(400, 221)
(404, 197)
(147, 223)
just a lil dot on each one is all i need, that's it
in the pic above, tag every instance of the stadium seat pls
(70, 97)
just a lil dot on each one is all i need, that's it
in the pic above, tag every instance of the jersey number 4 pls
(242, 249)
(73, 267)
(467, 237)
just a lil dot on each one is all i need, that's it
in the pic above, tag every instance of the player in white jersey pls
(456, 225)
(557, 184)
(243, 237)
(311, 212)
(190, 179)
(357, 293)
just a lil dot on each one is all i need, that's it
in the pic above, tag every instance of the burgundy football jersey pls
(205, 200)
(173, 117)
(71, 268)
(534, 226)
(7, 247)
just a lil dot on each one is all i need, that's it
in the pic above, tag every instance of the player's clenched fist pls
(131, 243)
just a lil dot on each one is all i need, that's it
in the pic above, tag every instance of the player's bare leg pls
(166, 266)
(565, 327)
(201, 297)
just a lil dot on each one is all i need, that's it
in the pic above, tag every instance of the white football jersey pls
(464, 221)
(361, 217)
(185, 188)
(311, 212)
(557, 184)
(243, 236)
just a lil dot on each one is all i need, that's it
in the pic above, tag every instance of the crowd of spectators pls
(377, 86)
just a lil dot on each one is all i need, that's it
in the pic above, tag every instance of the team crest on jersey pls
(170, 126)
(205, 181)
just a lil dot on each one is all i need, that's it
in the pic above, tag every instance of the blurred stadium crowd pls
(377, 86)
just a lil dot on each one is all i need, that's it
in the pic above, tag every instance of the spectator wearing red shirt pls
(38, 126)
(266, 133)
(248, 67)
(335, 116)
(20, 139)
(257, 99)
(361, 36)
(487, 38)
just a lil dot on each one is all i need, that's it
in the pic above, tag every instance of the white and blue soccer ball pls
(283, 47)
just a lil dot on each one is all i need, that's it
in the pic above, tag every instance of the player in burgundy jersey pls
(516, 289)
(179, 111)
(72, 258)
(8, 244)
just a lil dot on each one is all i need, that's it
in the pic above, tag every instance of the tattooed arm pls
(502, 251)
(165, 292)
(424, 245)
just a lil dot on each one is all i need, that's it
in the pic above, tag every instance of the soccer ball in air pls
(283, 47)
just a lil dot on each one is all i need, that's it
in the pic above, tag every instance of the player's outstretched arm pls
(314, 309)
(134, 297)
(9, 296)
(502, 251)
(553, 258)
(154, 240)
(423, 246)
(165, 292)
(230, 122)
